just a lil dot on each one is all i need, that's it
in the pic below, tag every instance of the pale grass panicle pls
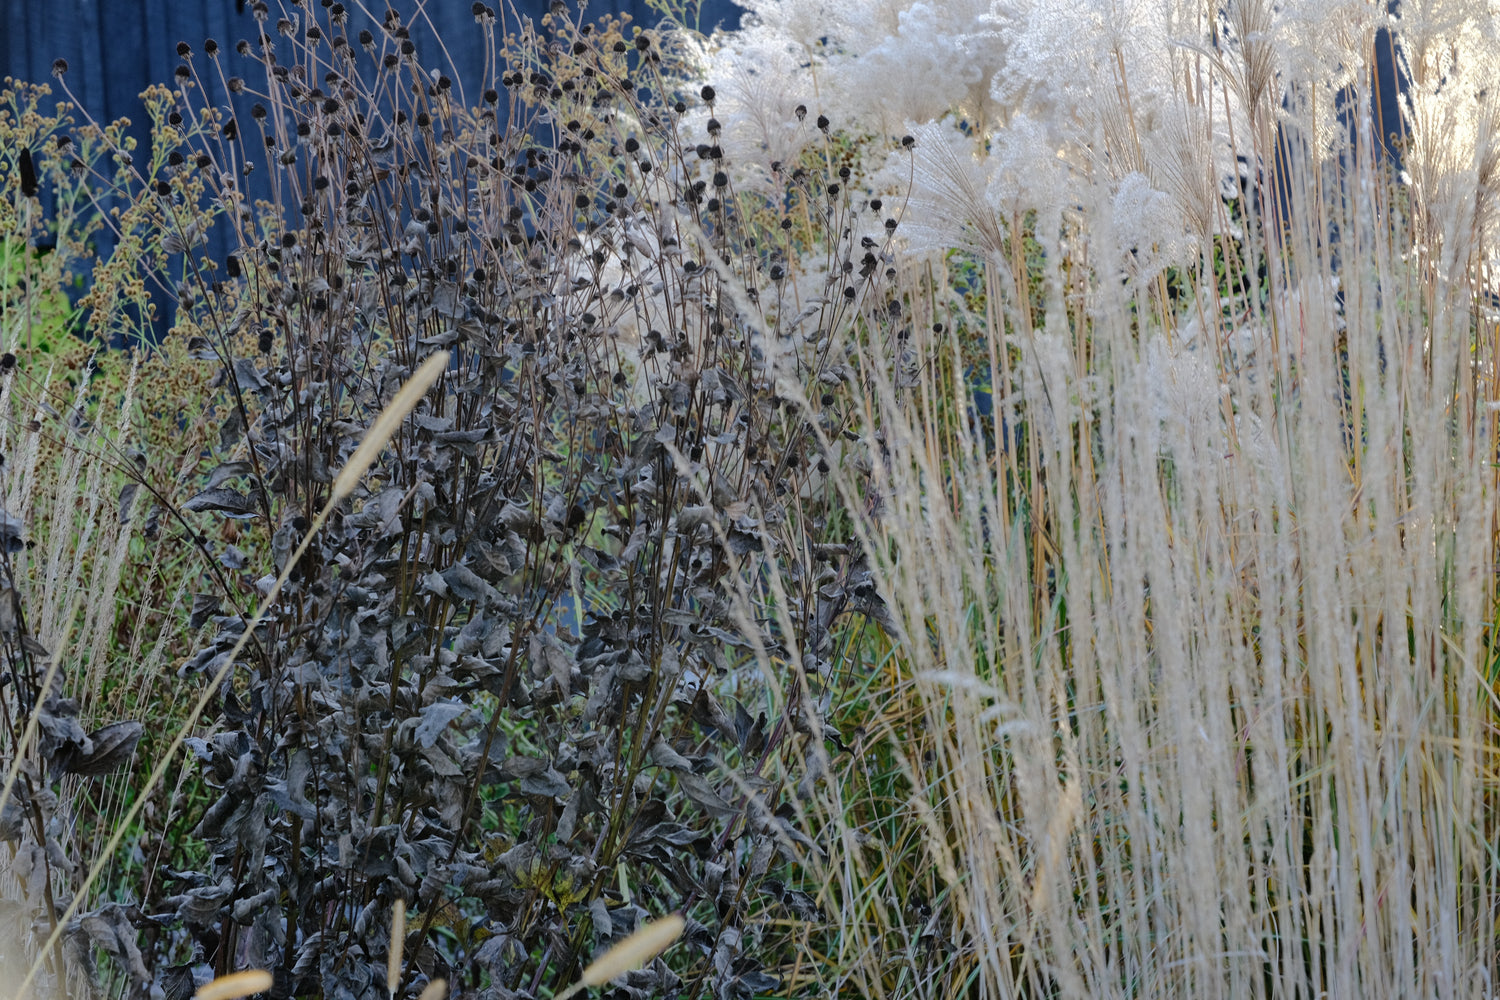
(1204, 690)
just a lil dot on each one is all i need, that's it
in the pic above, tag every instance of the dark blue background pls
(116, 48)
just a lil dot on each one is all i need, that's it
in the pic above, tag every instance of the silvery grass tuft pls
(1197, 621)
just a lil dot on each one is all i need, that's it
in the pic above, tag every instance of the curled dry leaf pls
(105, 749)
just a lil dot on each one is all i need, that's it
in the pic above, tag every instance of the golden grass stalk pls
(633, 952)
(236, 985)
(435, 990)
(385, 425)
(398, 942)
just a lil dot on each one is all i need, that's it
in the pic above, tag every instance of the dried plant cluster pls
(564, 657)
(964, 499)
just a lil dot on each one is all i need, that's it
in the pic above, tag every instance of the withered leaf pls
(705, 796)
(106, 749)
(468, 585)
(434, 719)
(127, 500)
(110, 929)
(226, 471)
(223, 500)
(205, 606)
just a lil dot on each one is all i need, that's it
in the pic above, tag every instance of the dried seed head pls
(385, 425)
(28, 174)
(236, 985)
(398, 943)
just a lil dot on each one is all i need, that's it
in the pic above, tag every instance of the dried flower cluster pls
(562, 659)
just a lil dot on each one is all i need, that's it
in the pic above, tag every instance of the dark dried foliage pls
(520, 680)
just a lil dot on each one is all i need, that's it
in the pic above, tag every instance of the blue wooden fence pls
(116, 48)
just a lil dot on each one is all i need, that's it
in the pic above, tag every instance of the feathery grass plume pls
(435, 989)
(398, 943)
(1197, 600)
(236, 985)
(386, 424)
(629, 954)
